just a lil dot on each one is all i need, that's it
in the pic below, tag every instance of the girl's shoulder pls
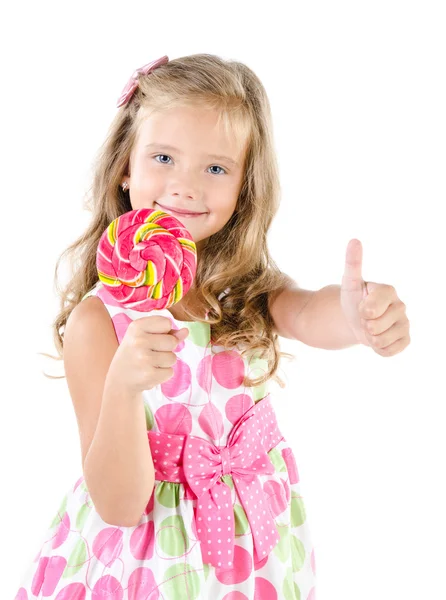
(114, 308)
(120, 314)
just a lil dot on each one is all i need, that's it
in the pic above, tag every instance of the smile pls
(179, 214)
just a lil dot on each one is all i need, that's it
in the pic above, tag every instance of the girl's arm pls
(285, 307)
(315, 318)
(116, 457)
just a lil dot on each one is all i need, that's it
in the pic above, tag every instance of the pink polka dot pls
(179, 382)
(142, 585)
(107, 588)
(276, 496)
(211, 421)
(313, 561)
(78, 482)
(287, 489)
(38, 555)
(73, 591)
(150, 503)
(48, 574)
(235, 596)
(264, 590)
(258, 564)
(241, 571)
(236, 407)
(63, 530)
(174, 418)
(142, 541)
(291, 465)
(107, 545)
(121, 322)
(228, 369)
(312, 594)
(204, 374)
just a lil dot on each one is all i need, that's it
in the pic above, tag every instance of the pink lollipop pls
(146, 259)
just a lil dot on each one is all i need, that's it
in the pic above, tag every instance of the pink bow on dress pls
(199, 464)
(245, 458)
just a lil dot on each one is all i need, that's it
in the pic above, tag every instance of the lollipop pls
(146, 259)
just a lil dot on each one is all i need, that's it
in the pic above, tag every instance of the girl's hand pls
(374, 312)
(145, 357)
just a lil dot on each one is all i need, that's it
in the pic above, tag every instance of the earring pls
(125, 185)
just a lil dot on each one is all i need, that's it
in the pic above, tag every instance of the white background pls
(358, 97)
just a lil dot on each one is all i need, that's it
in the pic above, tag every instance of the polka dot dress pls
(165, 556)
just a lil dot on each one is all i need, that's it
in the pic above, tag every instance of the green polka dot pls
(206, 569)
(257, 367)
(60, 513)
(168, 493)
(277, 460)
(180, 583)
(297, 553)
(82, 516)
(149, 417)
(228, 480)
(172, 537)
(298, 514)
(77, 559)
(240, 519)
(259, 391)
(282, 548)
(199, 333)
(290, 589)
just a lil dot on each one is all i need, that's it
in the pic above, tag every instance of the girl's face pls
(183, 161)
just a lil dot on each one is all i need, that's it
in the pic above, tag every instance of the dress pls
(163, 557)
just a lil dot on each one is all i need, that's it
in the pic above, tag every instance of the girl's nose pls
(186, 186)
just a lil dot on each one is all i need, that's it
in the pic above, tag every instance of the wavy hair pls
(236, 259)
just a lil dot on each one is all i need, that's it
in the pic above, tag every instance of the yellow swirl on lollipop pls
(146, 259)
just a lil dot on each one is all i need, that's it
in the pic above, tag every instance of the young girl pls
(189, 489)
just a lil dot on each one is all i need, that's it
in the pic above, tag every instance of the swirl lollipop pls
(146, 259)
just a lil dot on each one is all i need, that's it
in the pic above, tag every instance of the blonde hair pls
(237, 256)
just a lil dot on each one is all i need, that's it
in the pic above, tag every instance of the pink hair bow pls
(132, 83)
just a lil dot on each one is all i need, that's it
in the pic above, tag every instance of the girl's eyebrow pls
(173, 149)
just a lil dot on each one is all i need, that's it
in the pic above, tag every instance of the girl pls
(189, 489)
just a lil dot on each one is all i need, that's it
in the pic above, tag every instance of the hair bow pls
(132, 83)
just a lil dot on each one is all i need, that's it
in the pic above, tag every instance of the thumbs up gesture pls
(374, 312)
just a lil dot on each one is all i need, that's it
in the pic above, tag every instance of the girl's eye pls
(217, 168)
(165, 155)
(212, 167)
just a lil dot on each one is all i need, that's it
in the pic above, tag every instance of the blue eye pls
(163, 163)
(212, 167)
(217, 168)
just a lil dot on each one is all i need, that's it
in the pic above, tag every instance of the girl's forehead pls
(191, 125)
(188, 116)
